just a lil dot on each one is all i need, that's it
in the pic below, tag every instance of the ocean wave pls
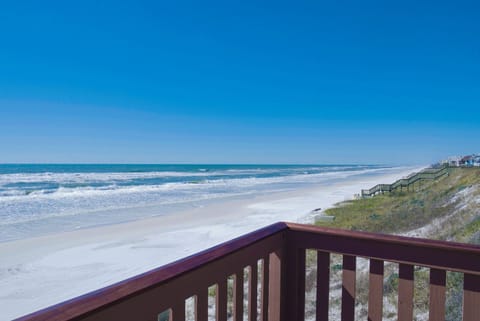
(90, 177)
(203, 184)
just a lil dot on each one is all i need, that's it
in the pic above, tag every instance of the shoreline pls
(95, 257)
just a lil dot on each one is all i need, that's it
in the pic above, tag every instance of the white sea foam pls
(112, 176)
(104, 190)
(94, 176)
(89, 177)
(85, 201)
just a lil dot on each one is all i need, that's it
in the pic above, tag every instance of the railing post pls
(295, 290)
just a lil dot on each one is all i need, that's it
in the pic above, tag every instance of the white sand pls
(38, 272)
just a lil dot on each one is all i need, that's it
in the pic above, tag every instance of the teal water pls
(43, 198)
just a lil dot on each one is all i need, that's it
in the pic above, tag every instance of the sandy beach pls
(41, 271)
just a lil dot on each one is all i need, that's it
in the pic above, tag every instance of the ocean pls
(39, 199)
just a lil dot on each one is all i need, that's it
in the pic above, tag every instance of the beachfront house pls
(464, 161)
(476, 160)
(453, 161)
(467, 161)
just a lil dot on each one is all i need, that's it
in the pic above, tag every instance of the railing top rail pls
(130, 287)
(387, 238)
(444, 255)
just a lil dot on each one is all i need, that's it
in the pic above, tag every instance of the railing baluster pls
(405, 292)
(471, 297)
(177, 313)
(221, 303)
(323, 285)
(275, 286)
(201, 306)
(348, 288)
(252, 292)
(437, 295)
(265, 281)
(238, 297)
(375, 291)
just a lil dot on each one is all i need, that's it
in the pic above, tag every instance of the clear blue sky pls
(239, 82)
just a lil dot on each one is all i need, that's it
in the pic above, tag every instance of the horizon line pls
(200, 163)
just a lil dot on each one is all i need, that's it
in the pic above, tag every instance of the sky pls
(378, 82)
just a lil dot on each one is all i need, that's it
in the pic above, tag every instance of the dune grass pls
(402, 211)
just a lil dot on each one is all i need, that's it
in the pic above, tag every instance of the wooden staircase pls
(426, 174)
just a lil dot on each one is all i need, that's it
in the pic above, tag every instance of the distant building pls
(467, 161)
(464, 161)
(476, 160)
(453, 161)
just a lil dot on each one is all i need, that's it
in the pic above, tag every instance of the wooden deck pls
(280, 250)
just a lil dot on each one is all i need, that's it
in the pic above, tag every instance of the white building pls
(476, 160)
(453, 161)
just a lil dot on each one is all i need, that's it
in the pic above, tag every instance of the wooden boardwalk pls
(427, 174)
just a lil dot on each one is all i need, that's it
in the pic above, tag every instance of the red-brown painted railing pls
(281, 251)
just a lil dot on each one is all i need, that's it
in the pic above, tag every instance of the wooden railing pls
(427, 174)
(274, 260)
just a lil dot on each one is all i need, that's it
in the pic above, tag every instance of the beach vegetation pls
(403, 211)
(446, 209)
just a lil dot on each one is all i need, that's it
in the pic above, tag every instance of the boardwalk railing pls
(275, 258)
(427, 174)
